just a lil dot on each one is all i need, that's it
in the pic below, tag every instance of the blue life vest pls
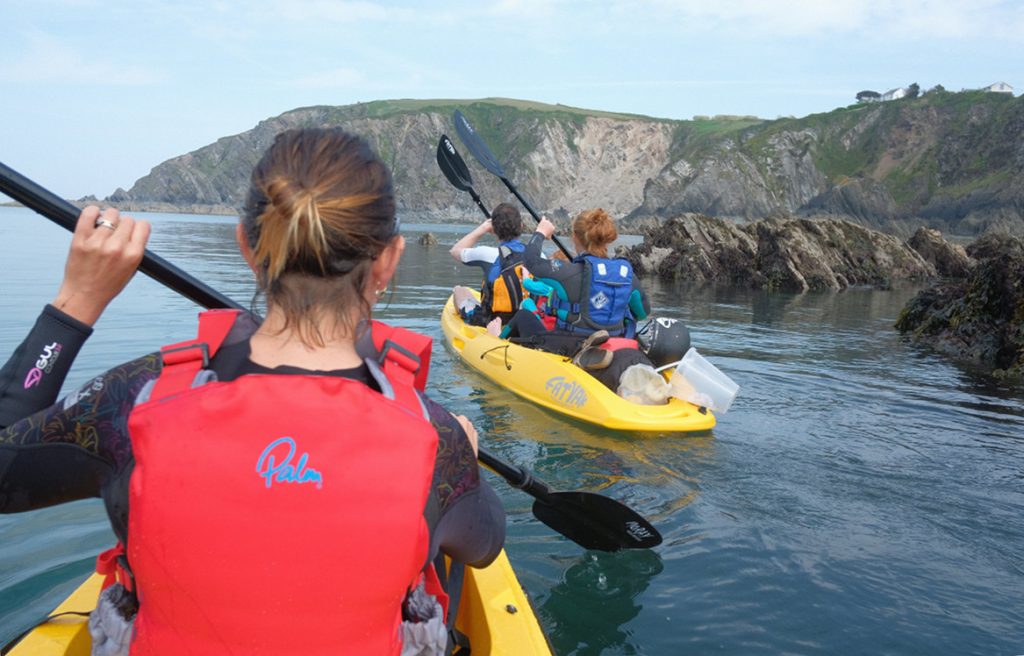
(607, 284)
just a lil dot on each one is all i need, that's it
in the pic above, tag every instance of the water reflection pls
(598, 594)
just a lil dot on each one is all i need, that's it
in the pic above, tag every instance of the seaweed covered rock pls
(697, 248)
(779, 254)
(950, 260)
(980, 318)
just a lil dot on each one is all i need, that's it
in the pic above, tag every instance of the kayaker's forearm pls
(43, 475)
(534, 260)
(473, 529)
(470, 240)
(33, 375)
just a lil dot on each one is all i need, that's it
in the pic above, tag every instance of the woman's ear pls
(387, 262)
(243, 246)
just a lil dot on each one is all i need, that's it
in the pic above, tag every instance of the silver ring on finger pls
(103, 223)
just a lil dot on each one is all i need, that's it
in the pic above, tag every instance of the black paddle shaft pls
(591, 520)
(487, 159)
(65, 214)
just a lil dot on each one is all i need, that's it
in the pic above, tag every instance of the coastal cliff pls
(952, 161)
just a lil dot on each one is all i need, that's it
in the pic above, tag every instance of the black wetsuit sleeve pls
(469, 520)
(567, 274)
(536, 264)
(73, 449)
(33, 375)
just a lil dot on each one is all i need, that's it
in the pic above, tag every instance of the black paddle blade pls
(596, 522)
(452, 165)
(476, 145)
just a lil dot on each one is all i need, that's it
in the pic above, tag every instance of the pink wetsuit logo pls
(44, 364)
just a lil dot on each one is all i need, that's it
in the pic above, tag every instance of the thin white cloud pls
(48, 60)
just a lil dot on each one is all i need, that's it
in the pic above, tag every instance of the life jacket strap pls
(183, 360)
(403, 354)
(620, 343)
(112, 564)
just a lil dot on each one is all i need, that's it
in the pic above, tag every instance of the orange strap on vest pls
(110, 564)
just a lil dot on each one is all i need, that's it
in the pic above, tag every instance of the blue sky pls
(94, 93)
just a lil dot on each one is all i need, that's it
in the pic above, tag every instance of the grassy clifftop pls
(953, 160)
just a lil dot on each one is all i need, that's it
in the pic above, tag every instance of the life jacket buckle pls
(179, 353)
(400, 355)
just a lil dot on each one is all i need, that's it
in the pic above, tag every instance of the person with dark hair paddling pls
(594, 297)
(502, 291)
(277, 487)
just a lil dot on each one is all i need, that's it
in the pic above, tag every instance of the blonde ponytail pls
(320, 208)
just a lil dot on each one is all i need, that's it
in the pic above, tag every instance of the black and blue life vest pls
(607, 286)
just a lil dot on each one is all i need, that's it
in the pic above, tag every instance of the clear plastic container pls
(698, 381)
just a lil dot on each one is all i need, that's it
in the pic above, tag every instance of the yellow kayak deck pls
(554, 382)
(493, 612)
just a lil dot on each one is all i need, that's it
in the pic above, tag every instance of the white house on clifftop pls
(999, 87)
(895, 94)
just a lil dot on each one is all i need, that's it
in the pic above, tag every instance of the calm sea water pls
(862, 496)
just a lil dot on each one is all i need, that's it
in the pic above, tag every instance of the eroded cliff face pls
(951, 161)
(563, 165)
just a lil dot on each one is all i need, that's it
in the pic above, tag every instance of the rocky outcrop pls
(980, 318)
(949, 161)
(949, 260)
(778, 254)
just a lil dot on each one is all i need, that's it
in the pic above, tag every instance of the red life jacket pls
(277, 514)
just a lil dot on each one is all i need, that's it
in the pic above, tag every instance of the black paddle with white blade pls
(487, 159)
(455, 169)
(588, 519)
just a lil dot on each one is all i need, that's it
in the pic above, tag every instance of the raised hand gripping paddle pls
(455, 169)
(65, 214)
(487, 159)
(590, 520)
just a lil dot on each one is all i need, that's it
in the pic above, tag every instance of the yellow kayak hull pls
(493, 612)
(554, 382)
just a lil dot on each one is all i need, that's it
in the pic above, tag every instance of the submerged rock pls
(979, 318)
(778, 254)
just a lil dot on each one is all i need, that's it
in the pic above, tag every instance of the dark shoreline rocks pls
(788, 254)
(980, 317)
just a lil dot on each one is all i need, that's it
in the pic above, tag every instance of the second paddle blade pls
(596, 522)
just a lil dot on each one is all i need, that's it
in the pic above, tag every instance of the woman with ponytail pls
(277, 485)
(593, 297)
